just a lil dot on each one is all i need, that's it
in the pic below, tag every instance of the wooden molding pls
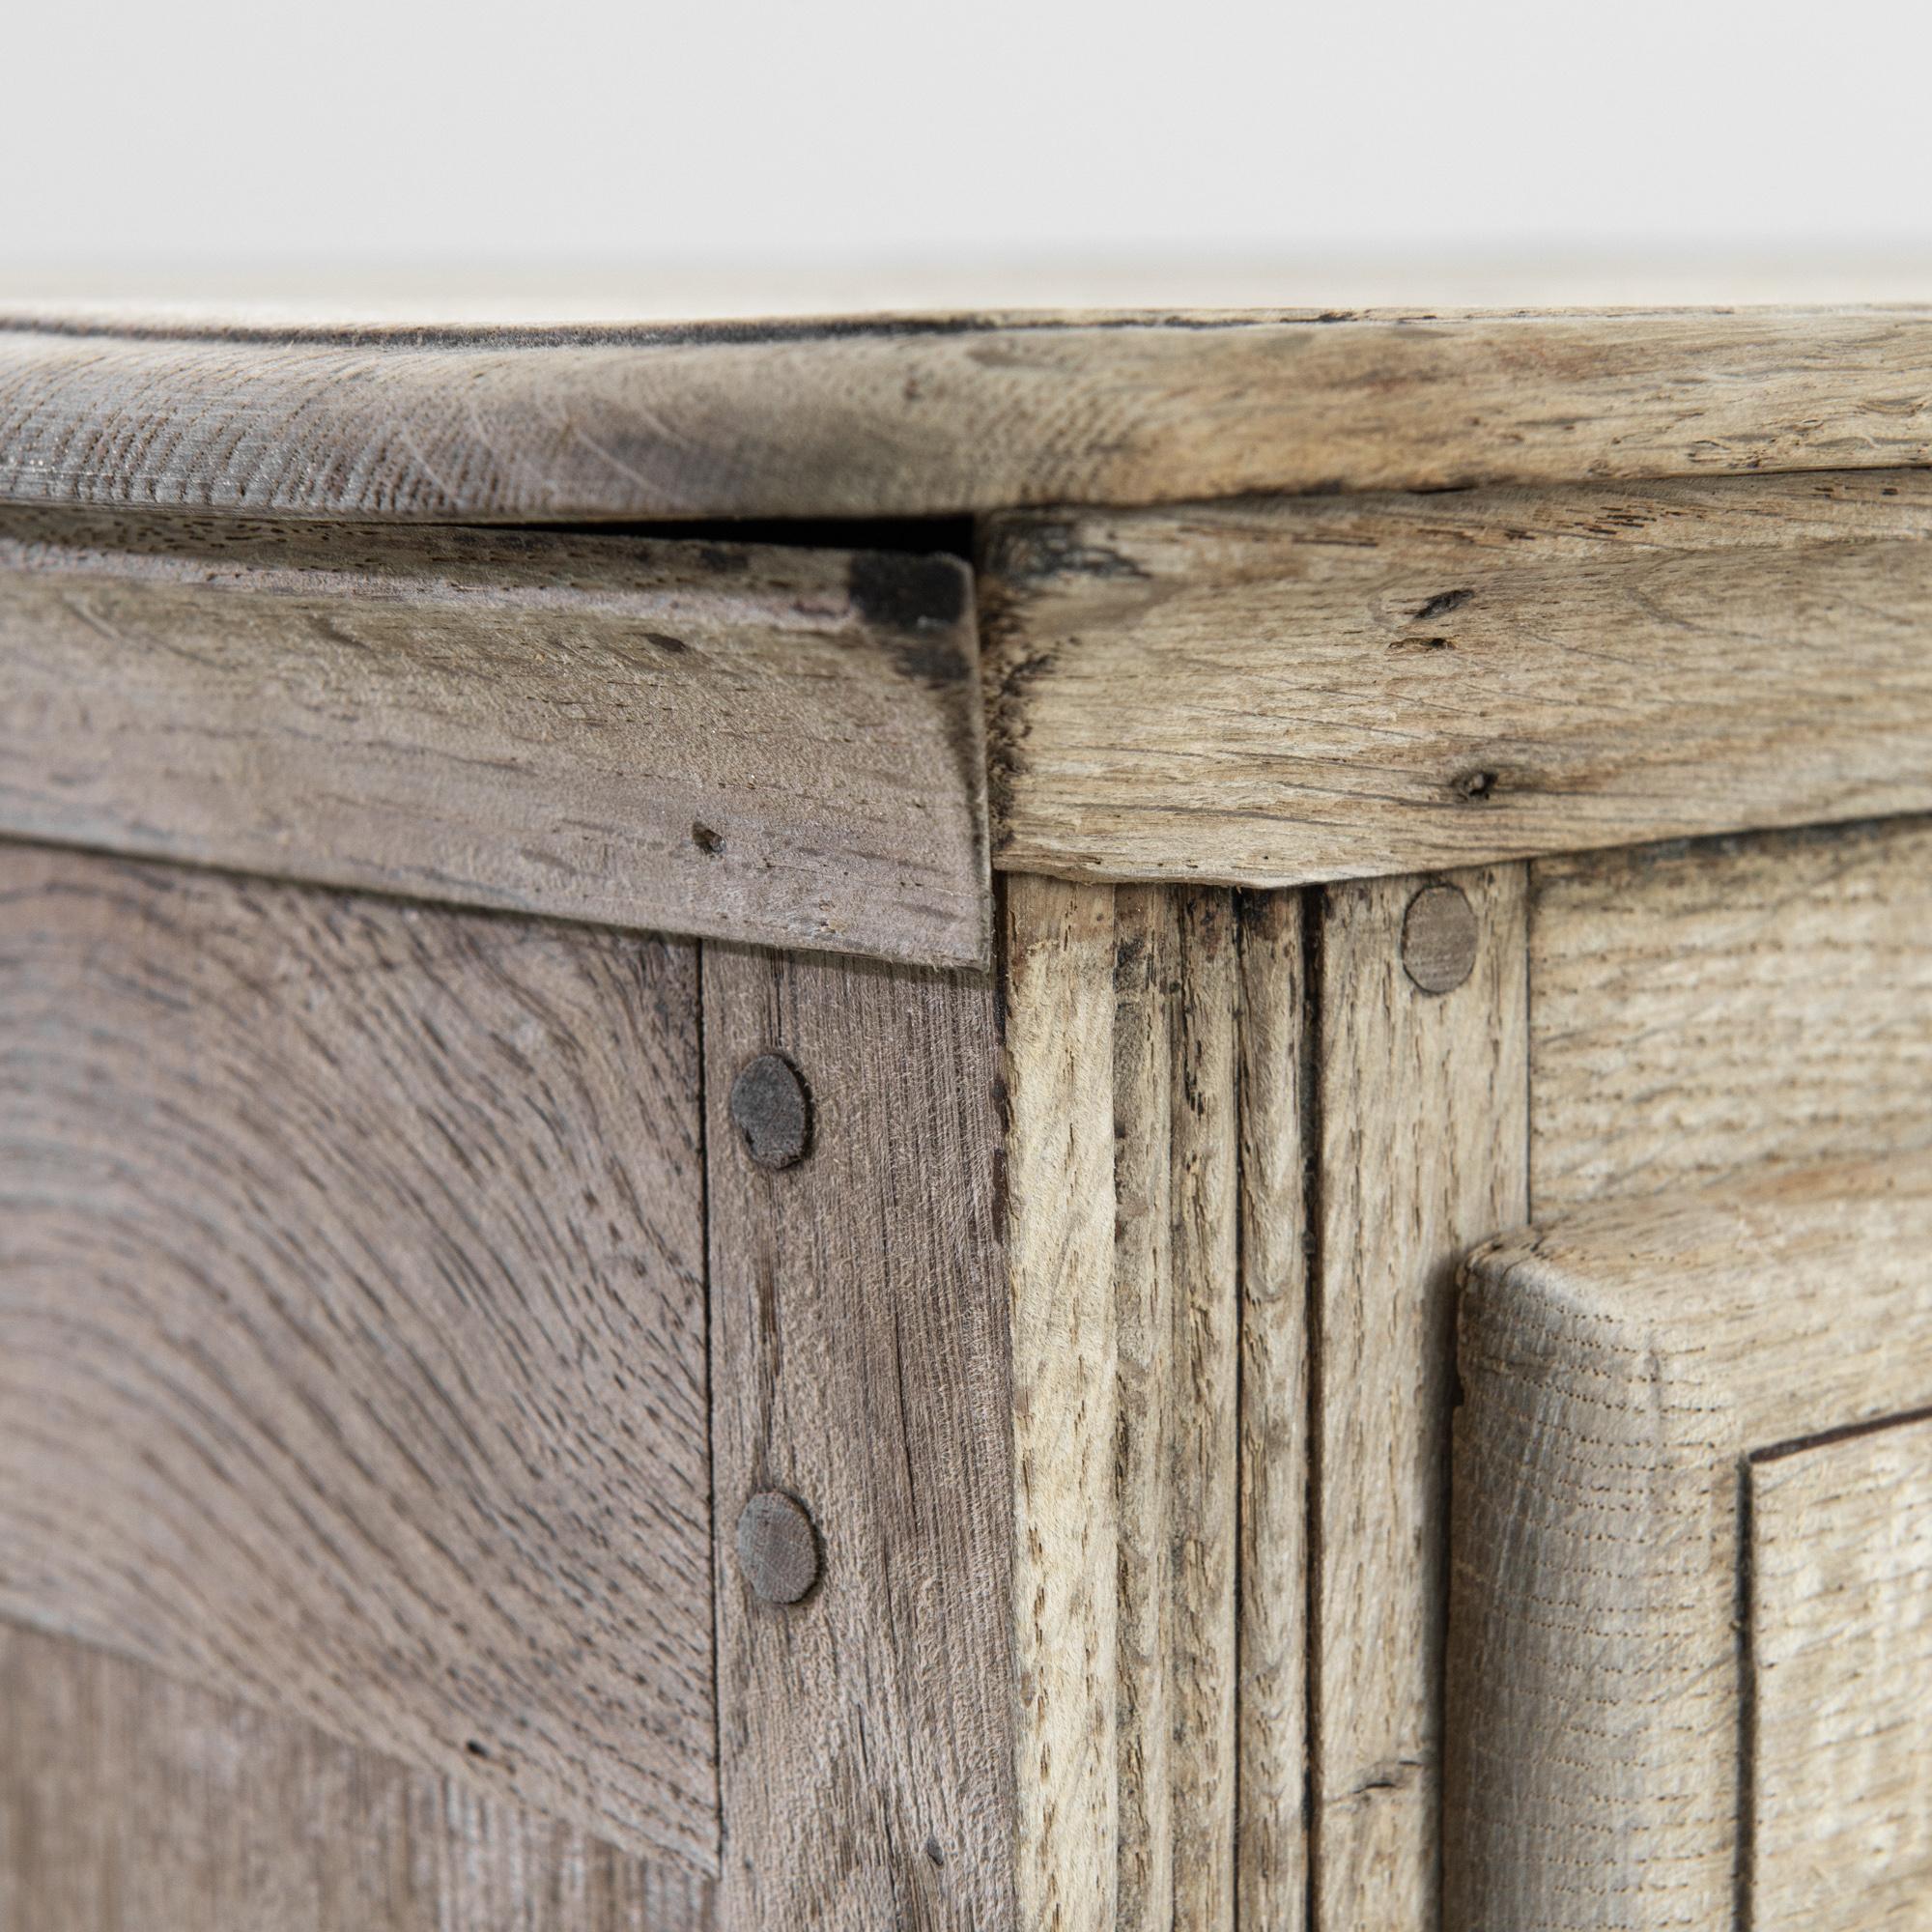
(1059, 985)
(1271, 1824)
(1290, 692)
(775, 745)
(913, 415)
(1178, 1350)
(1154, 1044)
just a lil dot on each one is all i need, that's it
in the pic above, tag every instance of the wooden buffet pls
(749, 1071)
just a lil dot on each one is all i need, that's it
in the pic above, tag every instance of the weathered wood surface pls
(130, 1802)
(1205, 1368)
(1285, 691)
(1059, 997)
(908, 416)
(859, 1365)
(1618, 1366)
(1177, 1327)
(754, 743)
(1154, 1039)
(1420, 1149)
(1272, 1842)
(1151, 1408)
(1707, 1009)
(352, 1334)
(1841, 1671)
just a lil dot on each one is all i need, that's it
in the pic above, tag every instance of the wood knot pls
(1440, 606)
(777, 1547)
(1439, 939)
(772, 1111)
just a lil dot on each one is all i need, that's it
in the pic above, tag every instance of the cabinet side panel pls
(1702, 1011)
(351, 1337)
(130, 1801)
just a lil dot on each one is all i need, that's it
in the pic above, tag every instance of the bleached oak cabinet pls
(1020, 1123)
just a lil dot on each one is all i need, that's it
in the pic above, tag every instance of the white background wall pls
(1705, 135)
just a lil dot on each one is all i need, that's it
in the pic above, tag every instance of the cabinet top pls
(934, 414)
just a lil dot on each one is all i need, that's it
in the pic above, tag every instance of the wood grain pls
(352, 1351)
(1705, 1009)
(859, 1364)
(740, 741)
(1178, 1323)
(1281, 692)
(1272, 1702)
(1205, 1357)
(910, 416)
(1149, 1411)
(1841, 1672)
(1421, 1150)
(1618, 1366)
(130, 1801)
(1059, 988)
